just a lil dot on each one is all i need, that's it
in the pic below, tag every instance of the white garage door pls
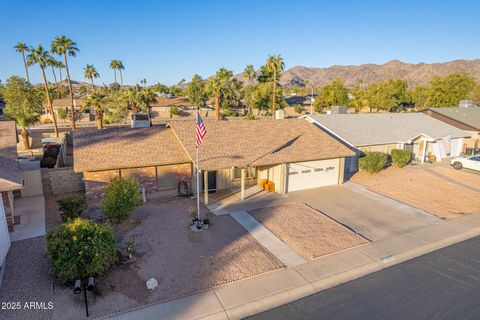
(312, 174)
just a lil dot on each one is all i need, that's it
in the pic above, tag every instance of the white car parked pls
(469, 162)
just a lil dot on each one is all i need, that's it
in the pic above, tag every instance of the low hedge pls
(401, 157)
(81, 248)
(373, 162)
(121, 198)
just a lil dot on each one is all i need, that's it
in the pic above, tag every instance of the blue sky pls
(165, 41)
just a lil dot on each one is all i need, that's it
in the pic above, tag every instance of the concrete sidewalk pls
(254, 295)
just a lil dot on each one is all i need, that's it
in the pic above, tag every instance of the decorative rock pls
(152, 283)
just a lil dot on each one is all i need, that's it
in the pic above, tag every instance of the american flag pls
(447, 142)
(201, 131)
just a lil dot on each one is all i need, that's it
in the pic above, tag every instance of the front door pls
(212, 182)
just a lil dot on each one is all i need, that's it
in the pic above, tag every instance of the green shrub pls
(174, 111)
(373, 162)
(121, 198)
(71, 206)
(62, 114)
(48, 162)
(249, 116)
(401, 157)
(81, 248)
(298, 109)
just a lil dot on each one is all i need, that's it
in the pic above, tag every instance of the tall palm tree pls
(274, 64)
(64, 46)
(90, 73)
(41, 57)
(52, 63)
(249, 73)
(59, 65)
(22, 48)
(114, 65)
(120, 68)
(96, 101)
(147, 98)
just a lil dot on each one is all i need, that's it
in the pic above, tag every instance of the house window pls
(250, 173)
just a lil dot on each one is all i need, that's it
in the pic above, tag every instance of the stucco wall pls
(61, 180)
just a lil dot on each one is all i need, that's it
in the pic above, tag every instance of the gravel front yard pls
(306, 231)
(421, 189)
(183, 261)
(463, 176)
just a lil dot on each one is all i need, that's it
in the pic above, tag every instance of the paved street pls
(441, 285)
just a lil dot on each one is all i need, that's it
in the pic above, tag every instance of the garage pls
(313, 174)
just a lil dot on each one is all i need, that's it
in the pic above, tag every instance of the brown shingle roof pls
(117, 148)
(10, 175)
(237, 143)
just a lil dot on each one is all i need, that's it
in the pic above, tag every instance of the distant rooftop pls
(469, 116)
(363, 129)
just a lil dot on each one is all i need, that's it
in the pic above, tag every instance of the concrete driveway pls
(371, 218)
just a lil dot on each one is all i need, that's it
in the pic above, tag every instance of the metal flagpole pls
(198, 179)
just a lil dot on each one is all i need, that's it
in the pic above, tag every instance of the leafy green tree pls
(475, 94)
(449, 90)
(262, 97)
(358, 98)
(117, 110)
(161, 88)
(334, 94)
(22, 48)
(23, 105)
(64, 46)
(419, 96)
(121, 198)
(147, 98)
(97, 102)
(81, 248)
(196, 91)
(224, 90)
(42, 57)
(274, 65)
(90, 73)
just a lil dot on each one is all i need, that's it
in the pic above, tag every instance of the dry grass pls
(306, 231)
(421, 189)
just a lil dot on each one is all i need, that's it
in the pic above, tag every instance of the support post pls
(205, 185)
(242, 185)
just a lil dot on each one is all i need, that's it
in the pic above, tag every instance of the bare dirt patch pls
(306, 231)
(183, 261)
(421, 189)
(465, 177)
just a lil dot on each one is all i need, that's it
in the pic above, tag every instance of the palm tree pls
(114, 65)
(22, 48)
(249, 73)
(52, 62)
(90, 72)
(120, 68)
(59, 65)
(62, 45)
(96, 101)
(147, 98)
(42, 57)
(274, 64)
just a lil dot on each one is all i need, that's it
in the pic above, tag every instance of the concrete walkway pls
(32, 218)
(277, 247)
(251, 296)
(417, 213)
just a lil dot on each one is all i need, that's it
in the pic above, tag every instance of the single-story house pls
(10, 180)
(367, 132)
(292, 153)
(465, 118)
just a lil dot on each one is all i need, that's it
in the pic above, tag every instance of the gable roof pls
(10, 174)
(239, 143)
(468, 116)
(117, 148)
(364, 129)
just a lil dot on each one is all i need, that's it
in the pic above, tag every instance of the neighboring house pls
(65, 105)
(294, 154)
(417, 132)
(10, 180)
(465, 118)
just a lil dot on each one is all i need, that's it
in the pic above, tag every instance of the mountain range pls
(419, 73)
